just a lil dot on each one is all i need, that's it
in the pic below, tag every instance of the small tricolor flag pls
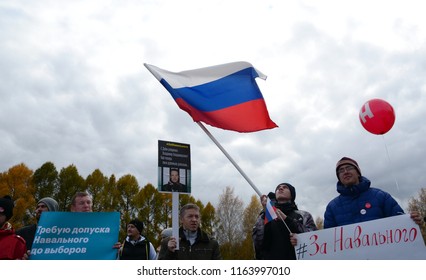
(225, 96)
(270, 213)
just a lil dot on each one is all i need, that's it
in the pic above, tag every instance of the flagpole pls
(230, 158)
(237, 166)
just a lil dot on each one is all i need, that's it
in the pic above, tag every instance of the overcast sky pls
(74, 90)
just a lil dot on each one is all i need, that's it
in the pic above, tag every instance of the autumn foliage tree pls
(230, 223)
(123, 195)
(18, 183)
(250, 214)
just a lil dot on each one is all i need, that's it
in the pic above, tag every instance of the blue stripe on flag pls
(228, 91)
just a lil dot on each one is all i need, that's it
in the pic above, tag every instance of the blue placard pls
(76, 236)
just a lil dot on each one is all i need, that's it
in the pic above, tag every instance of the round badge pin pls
(363, 211)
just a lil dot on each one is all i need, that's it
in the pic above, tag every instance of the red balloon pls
(377, 116)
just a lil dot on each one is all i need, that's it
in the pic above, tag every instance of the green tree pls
(209, 220)
(95, 184)
(45, 181)
(150, 211)
(166, 211)
(128, 187)
(110, 196)
(69, 182)
(186, 198)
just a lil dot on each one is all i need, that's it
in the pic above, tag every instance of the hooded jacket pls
(12, 246)
(359, 203)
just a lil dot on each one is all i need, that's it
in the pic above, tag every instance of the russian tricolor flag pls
(225, 96)
(270, 213)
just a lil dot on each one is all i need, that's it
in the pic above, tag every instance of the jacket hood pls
(354, 190)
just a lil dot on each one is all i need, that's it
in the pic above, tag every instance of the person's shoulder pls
(166, 187)
(334, 201)
(165, 240)
(211, 239)
(204, 236)
(378, 192)
(25, 229)
(19, 239)
(375, 189)
(303, 212)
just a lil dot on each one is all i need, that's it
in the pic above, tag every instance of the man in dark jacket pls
(358, 202)
(28, 232)
(194, 243)
(136, 246)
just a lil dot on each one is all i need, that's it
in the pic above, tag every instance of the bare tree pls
(419, 204)
(230, 215)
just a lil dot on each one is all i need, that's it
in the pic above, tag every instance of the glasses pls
(342, 170)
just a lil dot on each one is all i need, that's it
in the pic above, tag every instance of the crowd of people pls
(357, 202)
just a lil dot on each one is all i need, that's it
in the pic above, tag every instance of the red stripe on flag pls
(245, 117)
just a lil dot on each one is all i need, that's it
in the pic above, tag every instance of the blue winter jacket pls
(359, 203)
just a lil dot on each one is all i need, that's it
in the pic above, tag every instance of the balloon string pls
(387, 152)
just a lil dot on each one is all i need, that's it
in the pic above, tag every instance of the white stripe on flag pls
(199, 76)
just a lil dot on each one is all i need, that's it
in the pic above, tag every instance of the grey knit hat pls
(167, 232)
(51, 204)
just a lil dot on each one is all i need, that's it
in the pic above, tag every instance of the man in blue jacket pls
(358, 202)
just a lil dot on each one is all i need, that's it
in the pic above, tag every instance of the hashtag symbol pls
(301, 251)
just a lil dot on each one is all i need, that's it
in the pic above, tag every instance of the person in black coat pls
(136, 246)
(28, 232)
(275, 240)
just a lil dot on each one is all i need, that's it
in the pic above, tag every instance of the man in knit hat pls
(12, 246)
(136, 246)
(276, 239)
(357, 201)
(28, 232)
